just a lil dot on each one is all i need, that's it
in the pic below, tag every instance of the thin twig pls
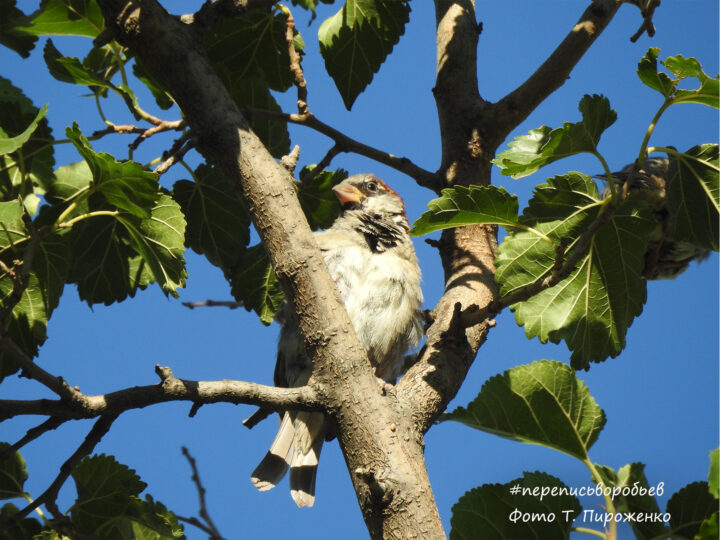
(211, 528)
(32, 434)
(322, 164)
(33, 371)
(176, 153)
(213, 303)
(99, 429)
(117, 128)
(346, 144)
(158, 127)
(647, 24)
(295, 67)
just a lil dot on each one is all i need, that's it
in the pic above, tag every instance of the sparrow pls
(665, 258)
(371, 258)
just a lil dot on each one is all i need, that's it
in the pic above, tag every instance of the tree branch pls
(170, 389)
(518, 104)
(343, 143)
(32, 434)
(208, 527)
(99, 429)
(33, 371)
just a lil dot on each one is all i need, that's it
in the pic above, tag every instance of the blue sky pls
(660, 395)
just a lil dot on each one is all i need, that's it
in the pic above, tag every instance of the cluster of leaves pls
(544, 403)
(108, 504)
(106, 226)
(589, 246)
(572, 269)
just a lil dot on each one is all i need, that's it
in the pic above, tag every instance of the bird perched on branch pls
(666, 257)
(370, 256)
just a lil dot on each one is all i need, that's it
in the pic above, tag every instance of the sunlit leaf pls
(497, 510)
(593, 307)
(693, 196)
(125, 184)
(540, 403)
(67, 17)
(634, 498)
(461, 205)
(542, 146)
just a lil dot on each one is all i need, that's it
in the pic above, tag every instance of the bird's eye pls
(372, 186)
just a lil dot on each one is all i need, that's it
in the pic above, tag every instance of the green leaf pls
(540, 403)
(11, 144)
(493, 511)
(593, 307)
(252, 45)
(125, 185)
(107, 490)
(461, 205)
(682, 68)
(689, 507)
(22, 530)
(705, 94)
(693, 195)
(27, 171)
(628, 480)
(542, 146)
(105, 267)
(150, 520)
(70, 182)
(217, 222)
(709, 529)
(160, 241)
(356, 40)
(67, 18)
(650, 76)
(13, 474)
(714, 473)
(11, 34)
(70, 69)
(117, 253)
(48, 261)
(317, 198)
(255, 284)
(50, 535)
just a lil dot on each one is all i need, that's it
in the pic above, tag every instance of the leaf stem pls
(82, 217)
(608, 173)
(643, 147)
(80, 197)
(609, 504)
(588, 531)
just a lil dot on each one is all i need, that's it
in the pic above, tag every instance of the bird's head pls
(370, 195)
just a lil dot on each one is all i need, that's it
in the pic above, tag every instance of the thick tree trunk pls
(383, 449)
